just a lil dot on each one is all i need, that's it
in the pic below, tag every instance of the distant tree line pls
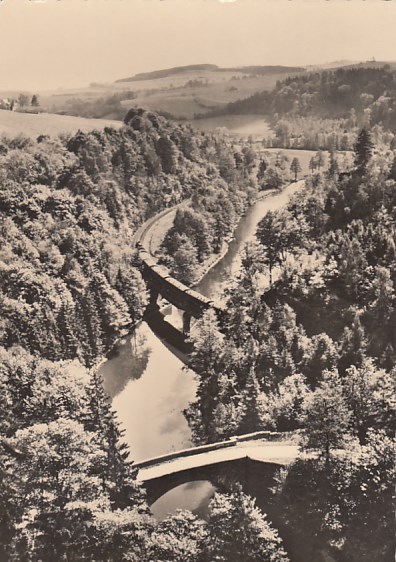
(104, 107)
(23, 101)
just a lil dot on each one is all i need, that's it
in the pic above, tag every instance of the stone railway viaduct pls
(161, 283)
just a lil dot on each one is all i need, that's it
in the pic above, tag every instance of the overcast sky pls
(63, 43)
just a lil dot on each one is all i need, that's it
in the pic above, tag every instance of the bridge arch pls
(221, 475)
(247, 458)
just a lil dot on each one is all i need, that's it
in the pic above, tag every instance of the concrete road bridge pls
(163, 473)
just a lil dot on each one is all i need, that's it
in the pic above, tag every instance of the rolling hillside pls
(185, 92)
(166, 72)
(181, 92)
(212, 68)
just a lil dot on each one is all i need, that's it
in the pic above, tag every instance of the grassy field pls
(304, 156)
(32, 125)
(181, 104)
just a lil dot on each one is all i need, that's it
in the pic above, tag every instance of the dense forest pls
(309, 345)
(69, 287)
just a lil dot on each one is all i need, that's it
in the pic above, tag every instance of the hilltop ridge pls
(166, 72)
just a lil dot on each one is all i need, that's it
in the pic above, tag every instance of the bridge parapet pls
(270, 436)
(184, 453)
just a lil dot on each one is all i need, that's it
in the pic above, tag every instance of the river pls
(150, 387)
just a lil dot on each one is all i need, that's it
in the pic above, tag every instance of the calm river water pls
(150, 387)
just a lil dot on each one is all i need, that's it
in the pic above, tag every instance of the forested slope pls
(69, 208)
(310, 345)
(329, 94)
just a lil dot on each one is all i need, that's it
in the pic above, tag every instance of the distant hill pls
(180, 92)
(167, 72)
(184, 92)
(197, 90)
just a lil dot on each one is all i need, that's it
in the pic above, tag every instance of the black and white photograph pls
(197, 280)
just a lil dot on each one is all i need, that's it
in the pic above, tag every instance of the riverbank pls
(153, 232)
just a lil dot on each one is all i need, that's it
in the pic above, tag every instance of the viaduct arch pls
(245, 470)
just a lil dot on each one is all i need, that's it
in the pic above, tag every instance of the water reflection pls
(155, 391)
(169, 332)
(194, 496)
(128, 361)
